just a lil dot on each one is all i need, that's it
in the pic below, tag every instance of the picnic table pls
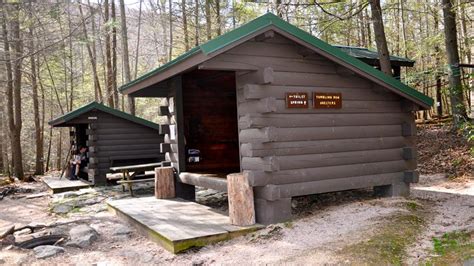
(128, 178)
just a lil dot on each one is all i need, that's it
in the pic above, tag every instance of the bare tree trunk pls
(439, 101)
(234, 20)
(363, 39)
(208, 19)
(451, 42)
(5, 139)
(126, 60)
(170, 56)
(114, 58)
(382, 48)
(196, 23)
(465, 33)
(14, 75)
(50, 135)
(185, 24)
(108, 57)
(138, 37)
(218, 17)
(278, 8)
(39, 167)
(369, 29)
(92, 57)
(404, 31)
(59, 157)
(71, 61)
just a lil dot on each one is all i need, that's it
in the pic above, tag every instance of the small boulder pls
(82, 236)
(68, 194)
(42, 252)
(121, 230)
(62, 208)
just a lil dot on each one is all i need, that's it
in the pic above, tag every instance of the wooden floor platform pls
(57, 185)
(177, 224)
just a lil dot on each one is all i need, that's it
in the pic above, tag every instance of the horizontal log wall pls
(113, 138)
(288, 152)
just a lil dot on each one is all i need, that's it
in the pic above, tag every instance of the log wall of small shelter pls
(113, 141)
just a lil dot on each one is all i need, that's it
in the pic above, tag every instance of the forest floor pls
(350, 227)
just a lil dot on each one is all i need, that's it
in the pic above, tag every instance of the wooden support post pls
(164, 183)
(241, 203)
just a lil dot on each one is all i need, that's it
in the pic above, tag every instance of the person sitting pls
(78, 163)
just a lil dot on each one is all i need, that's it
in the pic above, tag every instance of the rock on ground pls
(121, 230)
(62, 208)
(82, 236)
(42, 252)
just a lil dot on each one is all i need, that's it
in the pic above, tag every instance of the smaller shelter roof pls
(62, 120)
(372, 57)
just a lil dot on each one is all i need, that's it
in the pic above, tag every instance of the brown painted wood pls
(269, 134)
(275, 163)
(279, 106)
(253, 91)
(323, 186)
(210, 120)
(323, 120)
(241, 203)
(164, 183)
(328, 172)
(262, 106)
(320, 146)
(216, 181)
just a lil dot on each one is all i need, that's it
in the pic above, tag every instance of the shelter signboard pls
(296, 100)
(327, 100)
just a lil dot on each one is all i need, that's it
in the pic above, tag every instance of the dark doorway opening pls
(80, 140)
(210, 122)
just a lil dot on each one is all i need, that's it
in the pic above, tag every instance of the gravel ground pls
(323, 226)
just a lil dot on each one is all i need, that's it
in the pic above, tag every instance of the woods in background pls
(58, 55)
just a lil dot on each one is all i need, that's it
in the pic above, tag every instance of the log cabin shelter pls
(113, 138)
(293, 114)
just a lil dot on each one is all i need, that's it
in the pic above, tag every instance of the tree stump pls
(164, 183)
(241, 204)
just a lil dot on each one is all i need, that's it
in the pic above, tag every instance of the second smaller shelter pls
(113, 138)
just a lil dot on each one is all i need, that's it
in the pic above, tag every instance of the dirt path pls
(325, 226)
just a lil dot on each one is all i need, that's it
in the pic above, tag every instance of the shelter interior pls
(210, 122)
(79, 138)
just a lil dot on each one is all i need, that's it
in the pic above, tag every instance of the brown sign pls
(327, 100)
(296, 100)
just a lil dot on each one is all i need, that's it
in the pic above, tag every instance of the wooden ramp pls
(57, 185)
(177, 224)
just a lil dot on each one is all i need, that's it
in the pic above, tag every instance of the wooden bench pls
(128, 178)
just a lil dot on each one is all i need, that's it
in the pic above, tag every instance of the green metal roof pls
(268, 20)
(365, 53)
(97, 106)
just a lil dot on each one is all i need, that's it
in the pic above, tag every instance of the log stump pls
(164, 183)
(241, 203)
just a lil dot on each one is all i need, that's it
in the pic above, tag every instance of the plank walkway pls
(177, 224)
(57, 185)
